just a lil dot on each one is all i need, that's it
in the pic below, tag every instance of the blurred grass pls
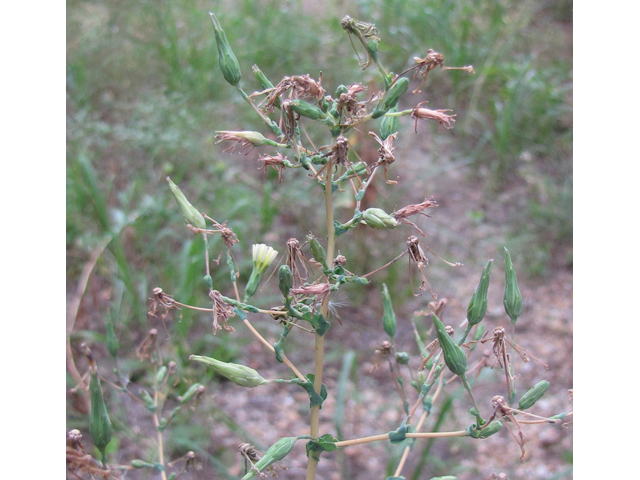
(145, 96)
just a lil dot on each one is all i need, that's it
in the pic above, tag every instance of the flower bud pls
(391, 97)
(389, 125)
(228, 61)
(493, 427)
(378, 218)
(388, 317)
(286, 280)
(137, 463)
(99, 422)
(454, 356)
(275, 453)
(317, 252)
(190, 213)
(305, 109)
(192, 392)
(478, 304)
(534, 394)
(512, 297)
(402, 358)
(239, 374)
(112, 340)
(265, 83)
(161, 375)
(263, 256)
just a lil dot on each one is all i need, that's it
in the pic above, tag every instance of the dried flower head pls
(294, 257)
(148, 348)
(347, 102)
(425, 65)
(246, 140)
(367, 33)
(421, 113)
(418, 208)
(221, 311)
(385, 153)
(298, 86)
(277, 162)
(161, 301)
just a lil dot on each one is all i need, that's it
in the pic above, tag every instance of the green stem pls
(467, 386)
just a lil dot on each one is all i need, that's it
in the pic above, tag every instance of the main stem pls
(312, 465)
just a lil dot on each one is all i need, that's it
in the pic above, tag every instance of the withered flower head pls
(222, 311)
(437, 307)
(277, 162)
(425, 65)
(348, 102)
(146, 349)
(340, 261)
(385, 152)
(449, 330)
(367, 33)
(501, 409)
(317, 289)
(339, 153)
(417, 208)
(421, 113)
(298, 86)
(161, 301)
(247, 140)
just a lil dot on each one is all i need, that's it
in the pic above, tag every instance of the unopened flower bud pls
(534, 394)
(378, 218)
(391, 97)
(512, 297)
(265, 83)
(492, 428)
(228, 61)
(112, 340)
(478, 304)
(389, 125)
(239, 374)
(454, 356)
(402, 358)
(190, 213)
(388, 317)
(99, 422)
(286, 280)
(305, 109)
(317, 252)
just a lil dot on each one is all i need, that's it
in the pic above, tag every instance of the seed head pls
(421, 113)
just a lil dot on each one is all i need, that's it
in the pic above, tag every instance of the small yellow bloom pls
(263, 256)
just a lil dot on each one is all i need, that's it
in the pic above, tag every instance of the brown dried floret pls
(421, 113)
(418, 208)
(221, 311)
(277, 162)
(385, 153)
(298, 86)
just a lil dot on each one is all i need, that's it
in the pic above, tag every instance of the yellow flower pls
(263, 256)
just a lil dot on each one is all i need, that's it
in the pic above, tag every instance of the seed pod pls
(454, 356)
(190, 393)
(162, 373)
(391, 97)
(99, 422)
(402, 358)
(275, 453)
(137, 463)
(378, 218)
(228, 61)
(112, 340)
(389, 125)
(305, 109)
(286, 280)
(478, 304)
(512, 297)
(372, 48)
(318, 253)
(265, 83)
(493, 427)
(388, 317)
(190, 213)
(209, 281)
(534, 394)
(146, 397)
(239, 374)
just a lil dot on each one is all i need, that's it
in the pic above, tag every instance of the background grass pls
(145, 96)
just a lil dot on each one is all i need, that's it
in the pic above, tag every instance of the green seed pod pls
(402, 358)
(478, 304)
(239, 374)
(534, 394)
(388, 317)
(493, 427)
(286, 280)
(389, 125)
(378, 218)
(454, 356)
(264, 82)
(112, 340)
(99, 422)
(318, 253)
(341, 89)
(209, 281)
(391, 97)
(162, 373)
(228, 61)
(372, 48)
(137, 463)
(146, 397)
(190, 393)
(190, 213)
(305, 109)
(275, 453)
(512, 297)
